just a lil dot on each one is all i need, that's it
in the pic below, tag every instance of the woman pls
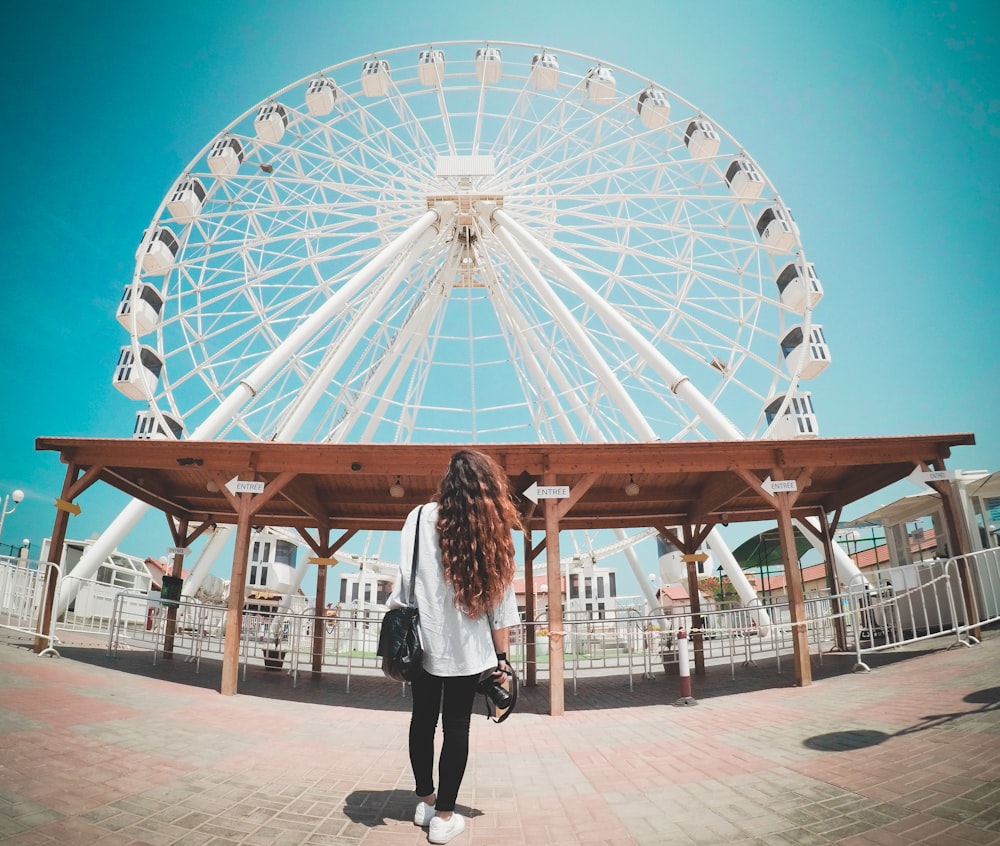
(465, 574)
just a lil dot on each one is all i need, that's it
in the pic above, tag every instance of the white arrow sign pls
(919, 476)
(773, 486)
(536, 492)
(235, 486)
(179, 550)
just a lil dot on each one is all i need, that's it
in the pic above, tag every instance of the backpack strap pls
(416, 554)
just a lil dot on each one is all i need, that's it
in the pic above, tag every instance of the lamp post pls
(18, 497)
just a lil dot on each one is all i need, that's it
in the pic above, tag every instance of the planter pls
(274, 659)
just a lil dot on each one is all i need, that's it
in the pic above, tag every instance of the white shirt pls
(454, 644)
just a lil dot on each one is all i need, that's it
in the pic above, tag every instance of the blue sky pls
(881, 130)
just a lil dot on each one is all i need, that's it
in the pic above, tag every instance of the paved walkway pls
(100, 752)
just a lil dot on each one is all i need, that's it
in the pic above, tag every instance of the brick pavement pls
(103, 751)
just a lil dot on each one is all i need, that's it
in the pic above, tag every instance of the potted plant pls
(274, 654)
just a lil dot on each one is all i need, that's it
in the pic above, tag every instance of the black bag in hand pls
(399, 639)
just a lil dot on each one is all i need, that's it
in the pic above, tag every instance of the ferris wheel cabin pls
(600, 84)
(321, 96)
(777, 229)
(157, 251)
(744, 180)
(149, 428)
(271, 122)
(430, 67)
(375, 78)
(653, 108)
(799, 287)
(796, 420)
(808, 357)
(186, 201)
(488, 65)
(544, 71)
(701, 139)
(144, 309)
(225, 157)
(137, 378)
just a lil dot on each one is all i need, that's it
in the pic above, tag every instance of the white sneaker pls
(442, 830)
(423, 815)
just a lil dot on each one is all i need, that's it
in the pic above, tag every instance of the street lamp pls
(18, 497)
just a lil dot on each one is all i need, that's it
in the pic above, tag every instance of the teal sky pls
(880, 128)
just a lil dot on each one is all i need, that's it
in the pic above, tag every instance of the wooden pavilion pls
(330, 492)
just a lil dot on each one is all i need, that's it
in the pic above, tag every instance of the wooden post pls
(237, 584)
(960, 546)
(180, 540)
(530, 613)
(793, 582)
(319, 621)
(55, 553)
(697, 621)
(839, 623)
(557, 658)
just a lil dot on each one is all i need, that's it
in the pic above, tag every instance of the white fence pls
(895, 607)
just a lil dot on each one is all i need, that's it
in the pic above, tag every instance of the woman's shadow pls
(374, 807)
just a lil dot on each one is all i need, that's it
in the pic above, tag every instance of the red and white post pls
(684, 670)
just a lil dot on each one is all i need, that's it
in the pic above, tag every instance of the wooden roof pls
(346, 486)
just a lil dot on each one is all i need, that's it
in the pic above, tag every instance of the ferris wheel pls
(472, 242)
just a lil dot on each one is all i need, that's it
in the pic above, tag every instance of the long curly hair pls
(476, 516)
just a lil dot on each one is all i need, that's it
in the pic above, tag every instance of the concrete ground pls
(103, 751)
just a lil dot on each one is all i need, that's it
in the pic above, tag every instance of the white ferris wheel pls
(472, 242)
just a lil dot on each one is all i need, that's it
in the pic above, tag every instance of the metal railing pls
(897, 606)
(22, 589)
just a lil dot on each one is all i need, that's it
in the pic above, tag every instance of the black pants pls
(452, 699)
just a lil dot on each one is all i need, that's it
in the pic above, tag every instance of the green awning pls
(764, 550)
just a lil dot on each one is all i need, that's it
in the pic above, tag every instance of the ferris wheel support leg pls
(748, 596)
(225, 411)
(533, 351)
(847, 570)
(394, 366)
(615, 390)
(286, 601)
(319, 380)
(635, 565)
(206, 558)
(98, 551)
(678, 382)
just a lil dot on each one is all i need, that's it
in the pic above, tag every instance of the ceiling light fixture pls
(396, 490)
(631, 487)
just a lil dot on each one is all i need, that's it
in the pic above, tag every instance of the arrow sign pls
(235, 486)
(71, 507)
(773, 486)
(179, 550)
(919, 476)
(536, 492)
